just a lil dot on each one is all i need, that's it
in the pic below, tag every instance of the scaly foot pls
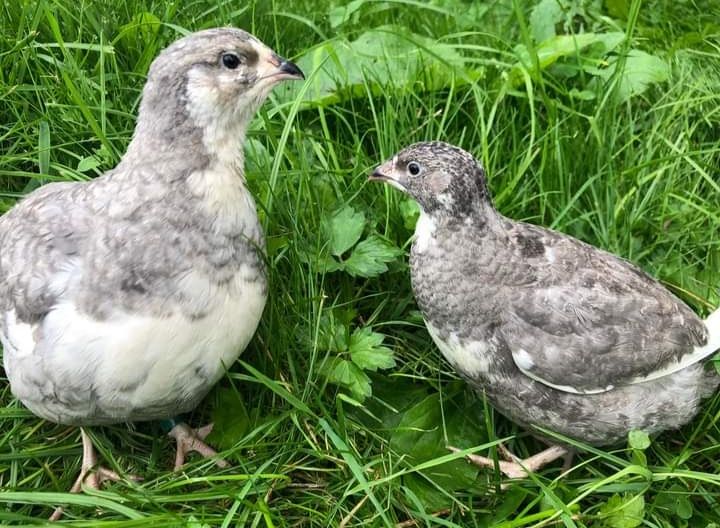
(189, 439)
(90, 475)
(515, 467)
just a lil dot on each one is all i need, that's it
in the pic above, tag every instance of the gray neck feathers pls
(164, 131)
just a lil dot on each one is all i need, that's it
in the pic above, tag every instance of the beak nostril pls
(276, 60)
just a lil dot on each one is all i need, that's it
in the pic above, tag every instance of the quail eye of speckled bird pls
(414, 168)
(231, 60)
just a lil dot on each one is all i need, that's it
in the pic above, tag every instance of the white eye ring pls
(414, 168)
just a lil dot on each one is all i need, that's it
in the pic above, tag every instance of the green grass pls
(565, 145)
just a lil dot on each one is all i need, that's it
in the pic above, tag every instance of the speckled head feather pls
(444, 179)
(203, 89)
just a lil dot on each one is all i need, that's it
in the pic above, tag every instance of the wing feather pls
(592, 321)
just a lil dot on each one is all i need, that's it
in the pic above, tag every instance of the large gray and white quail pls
(126, 297)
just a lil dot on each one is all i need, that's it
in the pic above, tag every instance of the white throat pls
(424, 232)
(223, 132)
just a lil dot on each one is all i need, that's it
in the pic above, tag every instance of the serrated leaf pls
(367, 351)
(332, 334)
(543, 18)
(641, 70)
(369, 258)
(346, 374)
(410, 212)
(623, 511)
(328, 264)
(638, 439)
(88, 163)
(345, 229)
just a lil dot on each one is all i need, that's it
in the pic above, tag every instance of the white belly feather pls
(131, 366)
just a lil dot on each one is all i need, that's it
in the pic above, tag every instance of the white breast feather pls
(114, 354)
(424, 231)
(470, 358)
(225, 198)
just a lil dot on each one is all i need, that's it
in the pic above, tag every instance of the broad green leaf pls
(638, 439)
(421, 437)
(392, 396)
(88, 163)
(418, 489)
(332, 334)
(370, 257)
(512, 501)
(623, 511)
(230, 419)
(555, 48)
(368, 352)
(420, 421)
(387, 57)
(640, 71)
(410, 211)
(345, 229)
(543, 19)
(638, 457)
(327, 264)
(676, 500)
(346, 374)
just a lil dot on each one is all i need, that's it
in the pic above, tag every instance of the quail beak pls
(281, 69)
(384, 173)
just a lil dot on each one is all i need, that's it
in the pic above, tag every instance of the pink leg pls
(189, 439)
(516, 468)
(90, 474)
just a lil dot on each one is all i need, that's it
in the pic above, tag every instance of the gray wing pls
(42, 239)
(590, 321)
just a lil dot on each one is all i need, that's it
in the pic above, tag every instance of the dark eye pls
(230, 61)
(413, 168)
